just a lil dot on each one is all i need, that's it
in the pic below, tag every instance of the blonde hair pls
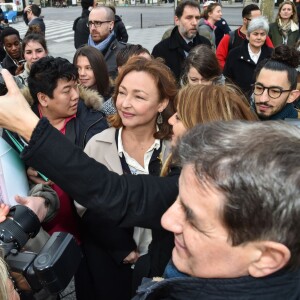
(208, 103)
(3, 282)
(198, 104)
(294, 17)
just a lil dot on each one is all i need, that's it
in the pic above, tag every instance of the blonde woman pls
(7, 290)
(285, 30)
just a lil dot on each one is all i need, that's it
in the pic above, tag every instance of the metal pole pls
(141, 20)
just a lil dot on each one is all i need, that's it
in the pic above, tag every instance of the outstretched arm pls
(15, 112)
(129, 200)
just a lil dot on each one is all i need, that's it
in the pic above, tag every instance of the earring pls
(159, 119)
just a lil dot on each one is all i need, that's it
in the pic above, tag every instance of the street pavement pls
(156, 20)
(60, 37)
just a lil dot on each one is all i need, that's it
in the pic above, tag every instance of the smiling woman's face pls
(177, 128)
(85, 72)
(33, 52)
(138, 101)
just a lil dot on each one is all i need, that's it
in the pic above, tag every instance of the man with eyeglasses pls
(102, 36)
(236, 37)
(275, 87)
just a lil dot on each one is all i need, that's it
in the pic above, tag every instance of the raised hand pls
(15, 112)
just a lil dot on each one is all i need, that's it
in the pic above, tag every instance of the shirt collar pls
(254, 56)
(121, 150)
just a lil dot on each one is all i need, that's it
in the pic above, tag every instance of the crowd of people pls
(160, 164)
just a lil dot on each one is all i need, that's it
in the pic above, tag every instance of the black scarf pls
(186, 47)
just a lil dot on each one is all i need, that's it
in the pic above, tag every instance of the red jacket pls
(222, 50)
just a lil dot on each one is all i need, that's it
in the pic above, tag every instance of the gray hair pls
(256, 166)
(258, 23)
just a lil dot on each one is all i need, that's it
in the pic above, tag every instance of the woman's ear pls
(273, 257)
(162, 105)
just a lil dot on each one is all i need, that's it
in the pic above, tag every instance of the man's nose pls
(265, 96)
(173, 219)
(194, 21)
(75, 93)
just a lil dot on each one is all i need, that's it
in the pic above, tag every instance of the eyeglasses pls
(248, 19)
(96, 23)
(273, 91)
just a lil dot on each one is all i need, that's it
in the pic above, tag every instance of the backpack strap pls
(231, 39)
(75, 23)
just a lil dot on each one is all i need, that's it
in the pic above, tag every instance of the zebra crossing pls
(56, 30)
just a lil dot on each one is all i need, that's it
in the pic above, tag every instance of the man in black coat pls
(236, 220)
(32, 17)
(183, 37)
(80, 28)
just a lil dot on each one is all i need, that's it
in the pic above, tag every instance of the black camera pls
(52, 268)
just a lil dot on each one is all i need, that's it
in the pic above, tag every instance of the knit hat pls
(208, 3)
(87, 3)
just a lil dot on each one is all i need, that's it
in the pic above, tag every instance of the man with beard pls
(102, 36)
(183, 37)
(275, 87)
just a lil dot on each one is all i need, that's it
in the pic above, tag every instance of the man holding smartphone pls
(32, 18)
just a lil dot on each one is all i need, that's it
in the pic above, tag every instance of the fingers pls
(21, 200)
(34, 176)
(36, 204)
(4, 210)
(37, 180)
(32, 172)
(131, 258)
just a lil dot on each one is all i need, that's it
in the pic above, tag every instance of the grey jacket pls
(207, 31)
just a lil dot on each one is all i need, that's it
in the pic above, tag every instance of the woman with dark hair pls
(92, 70)
(34, 47)
(285, 30)
(202, 67)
